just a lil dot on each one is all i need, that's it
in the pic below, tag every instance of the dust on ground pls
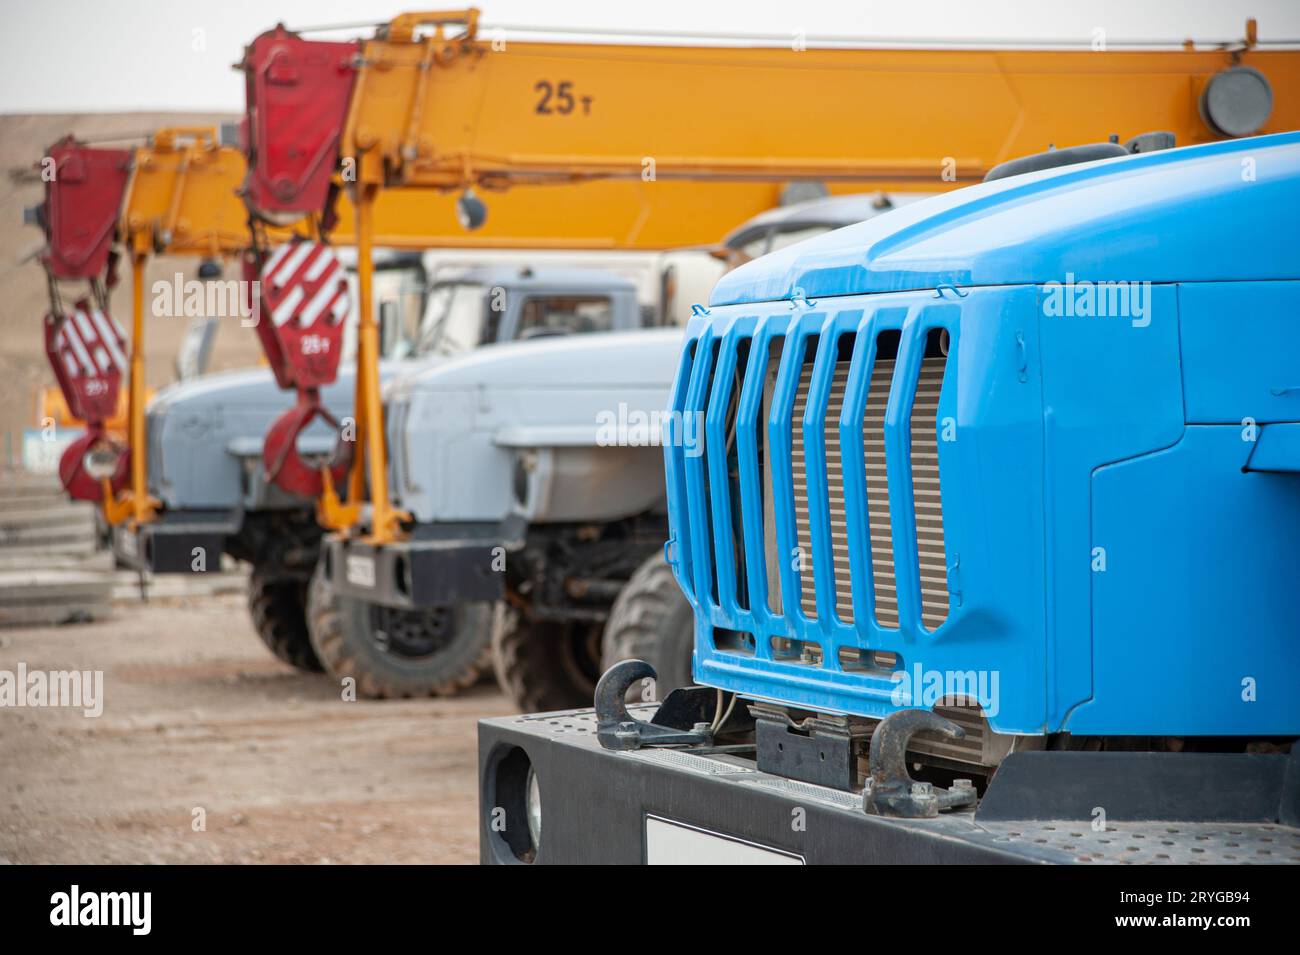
(198, 716)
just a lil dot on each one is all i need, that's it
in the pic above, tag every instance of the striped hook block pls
(87, 350)
(305, 300)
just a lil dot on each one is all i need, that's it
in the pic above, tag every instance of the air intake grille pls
(873, 436)
(395, 414)
(924, 455)
(799, 463)
(925, 493)
(878, 525)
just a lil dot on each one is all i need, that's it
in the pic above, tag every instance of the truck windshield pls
(453, 318)
(545, 315)
(769, 242)
(400, 290)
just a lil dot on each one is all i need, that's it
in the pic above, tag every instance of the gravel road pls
(201, 725)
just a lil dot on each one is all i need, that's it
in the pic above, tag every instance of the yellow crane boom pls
(448, 111)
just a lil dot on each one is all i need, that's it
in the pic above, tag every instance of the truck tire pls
(395, 654)
(546, 665)
(652, 621)
(278, 606)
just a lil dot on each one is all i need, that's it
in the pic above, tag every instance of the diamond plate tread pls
(689, 762)
(582, 721)
(1147, 843)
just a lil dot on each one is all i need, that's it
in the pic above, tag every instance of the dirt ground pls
(198, 715)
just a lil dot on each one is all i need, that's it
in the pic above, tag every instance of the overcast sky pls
(78, 55)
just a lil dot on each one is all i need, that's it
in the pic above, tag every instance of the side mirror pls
(470, 210)
(196, 348)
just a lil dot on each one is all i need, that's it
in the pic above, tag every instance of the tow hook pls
(890, 791)
(616, 728)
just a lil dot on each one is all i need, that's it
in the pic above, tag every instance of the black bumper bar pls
(433, 567)
(647, 805)
(182, 542)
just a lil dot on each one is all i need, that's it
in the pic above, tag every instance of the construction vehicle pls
(609, 208)
(175, 195)
(448, 111)
(984, 482)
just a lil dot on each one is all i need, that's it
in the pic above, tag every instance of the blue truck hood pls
(1203, 213)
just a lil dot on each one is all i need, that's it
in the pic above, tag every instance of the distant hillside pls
(23, 299)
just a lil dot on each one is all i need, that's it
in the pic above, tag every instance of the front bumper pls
(177, 542)
(651, 805)
(435, 566)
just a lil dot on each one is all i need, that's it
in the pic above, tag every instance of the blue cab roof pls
(1225, 211)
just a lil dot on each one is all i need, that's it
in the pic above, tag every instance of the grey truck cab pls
(204, 436)
(534, 479)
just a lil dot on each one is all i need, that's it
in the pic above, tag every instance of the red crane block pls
(83, 200)
(87, 350)
(297, 93)
(305, 300)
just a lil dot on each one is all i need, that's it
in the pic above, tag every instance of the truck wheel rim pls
(411, 634)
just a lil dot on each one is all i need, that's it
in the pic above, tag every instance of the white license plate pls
(673, 843)
(361, 570)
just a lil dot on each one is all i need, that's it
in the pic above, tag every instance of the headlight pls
(470, 210)
(100, 461)
(533, 805)
(525, 464)
(512, 807)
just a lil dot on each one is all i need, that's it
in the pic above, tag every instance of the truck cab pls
(993, 525)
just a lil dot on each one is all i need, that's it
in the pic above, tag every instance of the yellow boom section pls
(182, 199)
(621, 215)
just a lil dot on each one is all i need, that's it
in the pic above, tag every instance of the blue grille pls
(795, 532)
